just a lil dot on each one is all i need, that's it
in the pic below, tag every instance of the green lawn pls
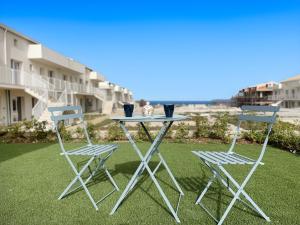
(33, 176)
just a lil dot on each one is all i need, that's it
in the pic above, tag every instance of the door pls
(19, 108)
(16, 109)
(50, 76)
(16, 68)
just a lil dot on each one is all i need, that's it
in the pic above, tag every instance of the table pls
(167, 123)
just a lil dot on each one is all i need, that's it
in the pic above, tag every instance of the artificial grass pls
(33, 176)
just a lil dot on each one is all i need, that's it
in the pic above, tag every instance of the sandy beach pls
(291, 115)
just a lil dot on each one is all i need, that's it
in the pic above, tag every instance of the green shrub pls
(64, 133)
(114, 132)
(91, 129)
(285, 136)
(16, 131)
(79, 132)
(141, 134)
(257, 136)
(182, 132)
(202, 127)
(219, 129)
(170, 133)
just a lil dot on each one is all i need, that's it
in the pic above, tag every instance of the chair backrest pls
(261, 116)
(74, 112)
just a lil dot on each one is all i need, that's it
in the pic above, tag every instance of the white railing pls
(46, 89)
(37, 83)
(66, 98)
(40, 107)
(100, 93)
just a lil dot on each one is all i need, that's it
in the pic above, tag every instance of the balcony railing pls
(239, 101)
(25, 79)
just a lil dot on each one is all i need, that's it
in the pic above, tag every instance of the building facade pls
(288, 93)
(260, 94)
(34, 77)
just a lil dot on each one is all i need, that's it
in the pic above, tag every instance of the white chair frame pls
(215, 161)
(97, 153)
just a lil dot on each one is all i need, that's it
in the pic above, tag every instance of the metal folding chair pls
(97, 153)
(216, 161)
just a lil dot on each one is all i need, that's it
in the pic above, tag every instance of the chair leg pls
(111, 179)
(205, 189)
(236, 195)
(256, 207)
(229, 207)
(92, 174)
(78, 174)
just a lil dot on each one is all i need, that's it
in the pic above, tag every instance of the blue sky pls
(170, 50)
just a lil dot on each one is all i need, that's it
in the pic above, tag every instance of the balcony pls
(20, 79)
(125, 91)
(96, 76)
(104, 85)
(117, 88)
(42, 54)
(254, 100)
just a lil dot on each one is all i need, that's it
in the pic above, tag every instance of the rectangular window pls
(14, 105)
(50, 74)
(30, 68)
(16, 42)
(32, 102)
(42, 71)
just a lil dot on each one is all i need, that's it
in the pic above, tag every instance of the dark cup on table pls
(169, 110)
(128, 109)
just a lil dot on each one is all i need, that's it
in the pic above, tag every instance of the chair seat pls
(93, 150)
(224, 158)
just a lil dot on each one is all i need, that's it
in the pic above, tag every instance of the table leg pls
(144, 165)
(162, 159)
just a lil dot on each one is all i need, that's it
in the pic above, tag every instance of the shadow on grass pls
(215, 194)
(9, 151)
(129, 168)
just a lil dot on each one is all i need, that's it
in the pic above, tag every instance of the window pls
(80, 81)
(293, 93)
(42, 71)
(287, 92)
(15, 42)
(30, 68)
(32, 102)
(64, 77)
(50, 74)
(14, 105)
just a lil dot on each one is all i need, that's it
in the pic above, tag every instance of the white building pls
(289, 93)
(33, 77)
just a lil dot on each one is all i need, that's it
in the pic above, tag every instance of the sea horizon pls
(189, 102)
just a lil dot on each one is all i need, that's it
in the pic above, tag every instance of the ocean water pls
(157, 102)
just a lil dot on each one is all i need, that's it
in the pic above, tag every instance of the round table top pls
(153, 118)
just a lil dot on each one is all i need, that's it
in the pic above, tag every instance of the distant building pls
(33, 77)
(260, 94)
(288, 93)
